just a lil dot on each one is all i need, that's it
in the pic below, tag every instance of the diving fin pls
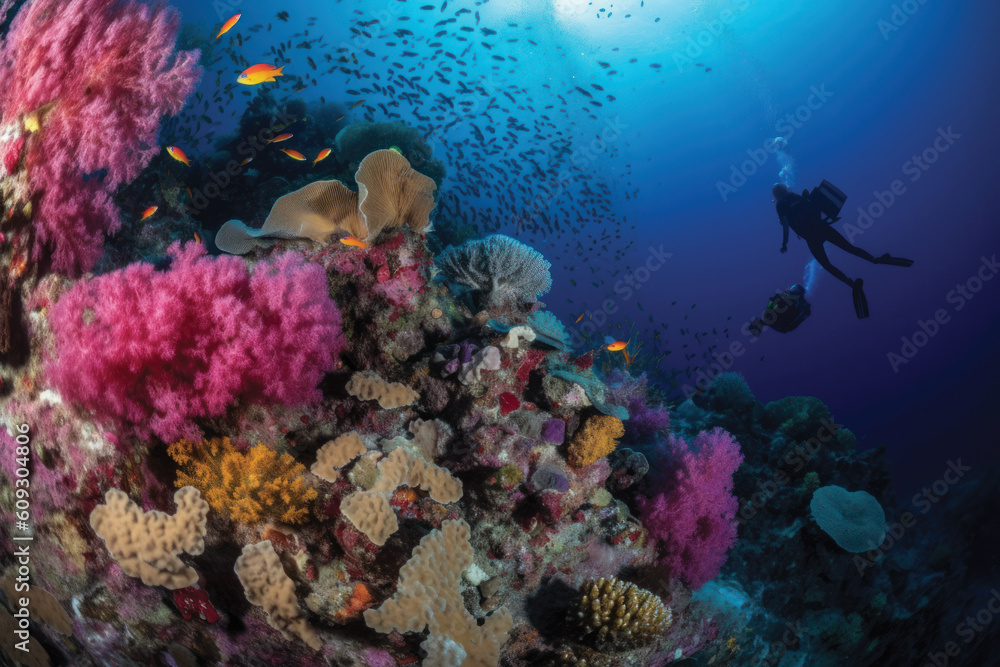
(893, 261)
(860, 301)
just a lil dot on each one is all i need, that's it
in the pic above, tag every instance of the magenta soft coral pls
(693, 520)
(109, 71)
(153, 351)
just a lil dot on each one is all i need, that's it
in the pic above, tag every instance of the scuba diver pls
(785, 311)
(805, 213)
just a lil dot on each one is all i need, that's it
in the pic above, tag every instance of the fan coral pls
(248, 487)
(155, 350)
(89, 80)
(615, 616)
(693, 521)
(499, 271)
(597, 438)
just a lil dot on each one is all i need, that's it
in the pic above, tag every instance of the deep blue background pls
(684, 129)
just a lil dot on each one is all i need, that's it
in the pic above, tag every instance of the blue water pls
(666, 156)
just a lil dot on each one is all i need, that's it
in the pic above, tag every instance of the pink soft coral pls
(109, 72)
(155, 350)
(693, 520)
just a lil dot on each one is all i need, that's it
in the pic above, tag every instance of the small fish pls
(178, 155)
(246, 161)
(616, 345)
(356, 104)
(148, 212)
(295, 155)
(198, 239)
(280, 137)
(323, 154)
(257, 74)
(340, 119)
(581, 317)
(228, 25)
(353, 242)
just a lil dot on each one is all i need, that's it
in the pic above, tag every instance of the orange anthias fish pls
(178, 155)
(295, 155)
(280, 137)
(617, 346)
(148, 212)
(323, 154)
(353, 242)
(228, 24)
(246, 161)
(197, 238)
(262, 73)
(581, 316)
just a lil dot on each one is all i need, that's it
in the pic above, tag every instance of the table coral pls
(247, 486)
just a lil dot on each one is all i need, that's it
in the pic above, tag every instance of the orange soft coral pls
(247, 486)
(597, 438)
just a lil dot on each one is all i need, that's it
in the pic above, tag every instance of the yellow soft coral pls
(597, 438)
(248, 487)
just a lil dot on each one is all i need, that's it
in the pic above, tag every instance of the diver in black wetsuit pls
(785, 311)
(805, 218)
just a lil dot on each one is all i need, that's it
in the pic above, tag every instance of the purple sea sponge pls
(554, 431)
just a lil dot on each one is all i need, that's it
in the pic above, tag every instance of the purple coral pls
(693, 520)
(155, 350)
(630, 392)
(95, 77)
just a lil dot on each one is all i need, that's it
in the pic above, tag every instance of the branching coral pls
(597, 438)
(248, 487)
(89, 81)
(499, 271)
(155, 350)
(616, 616)
(146, 544)
(428, 596)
